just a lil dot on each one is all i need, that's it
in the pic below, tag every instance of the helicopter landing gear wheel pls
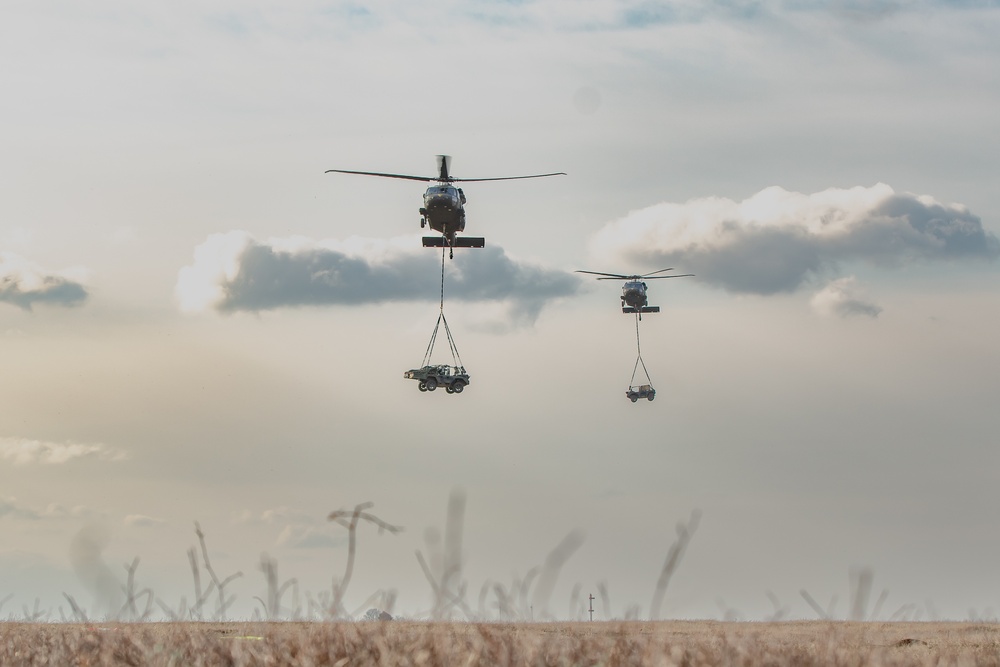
(422, 386)
(423, 223)
(457, 387)
(431, 383)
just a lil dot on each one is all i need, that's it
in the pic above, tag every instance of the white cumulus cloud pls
(779, 241)
(24, 284)
(844, 297)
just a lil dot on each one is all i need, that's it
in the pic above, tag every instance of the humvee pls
(452, 378)
(642, 391)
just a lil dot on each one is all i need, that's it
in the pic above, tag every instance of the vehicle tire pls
(422, 386)
(651, 396)
(449, 390)
(634, 399)
(458, 386)
(432, 384)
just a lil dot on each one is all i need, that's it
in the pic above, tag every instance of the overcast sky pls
(198, 324)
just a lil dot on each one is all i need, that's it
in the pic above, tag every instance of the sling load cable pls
(638, 359)
(455, 357)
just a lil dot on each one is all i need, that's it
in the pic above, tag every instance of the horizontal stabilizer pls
(650, 309)
(629, 309)
(460, 242)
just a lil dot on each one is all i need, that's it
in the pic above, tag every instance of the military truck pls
(452, 378)
(642, 391)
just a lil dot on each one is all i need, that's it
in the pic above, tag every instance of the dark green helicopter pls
(444, 204)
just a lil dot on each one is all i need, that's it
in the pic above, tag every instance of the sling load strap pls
(638, 358)
(442, 281)
(455, 357)
(430, 345)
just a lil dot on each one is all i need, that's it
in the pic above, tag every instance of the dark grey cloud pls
(24, 284)
(234, 272)
(779, 241)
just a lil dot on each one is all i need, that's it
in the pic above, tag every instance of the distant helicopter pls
(444, 204)
(634, 291)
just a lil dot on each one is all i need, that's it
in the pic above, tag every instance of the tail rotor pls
(444, 168)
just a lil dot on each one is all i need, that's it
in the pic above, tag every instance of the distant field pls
(417, 643)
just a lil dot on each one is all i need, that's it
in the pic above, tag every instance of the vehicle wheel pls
(432, 384)
(634, 399)
(422, 386)
(458, 386)
(650, 397)
(449, 390)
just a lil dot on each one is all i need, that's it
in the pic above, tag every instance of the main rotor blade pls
(683, 275)
(426, 179)
(507, 178)
(617, 276)
(652, 272)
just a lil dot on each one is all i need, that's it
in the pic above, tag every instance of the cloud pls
(235, 272)
(22, 451)
(11, 507)
(24, 284)
(142, 521)
(273, 516)
(309, 537)
(778, 241)
(844, 298)
(301, 530)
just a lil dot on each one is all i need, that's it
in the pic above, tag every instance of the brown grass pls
(416, 643)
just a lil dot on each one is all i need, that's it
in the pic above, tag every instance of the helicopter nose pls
(438, 202)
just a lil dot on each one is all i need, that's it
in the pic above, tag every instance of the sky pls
(197, 324)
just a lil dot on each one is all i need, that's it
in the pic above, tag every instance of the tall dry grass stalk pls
(350, 520)
(684, 534)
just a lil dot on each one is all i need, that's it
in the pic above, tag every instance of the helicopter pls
(444, 204)
(634, 291)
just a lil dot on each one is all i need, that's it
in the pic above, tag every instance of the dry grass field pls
(425, 643)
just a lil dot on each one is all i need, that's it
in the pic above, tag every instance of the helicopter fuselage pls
(634, 294)
(444, 210)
